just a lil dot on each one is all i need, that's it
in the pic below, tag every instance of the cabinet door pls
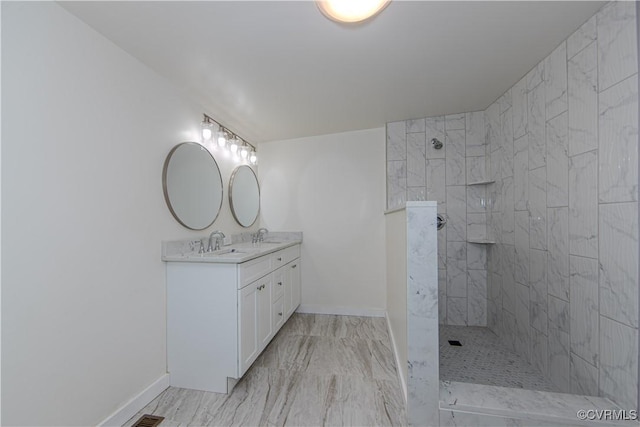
(278, 315)
(278, 283)
(247, 316)
(287, 301)
(295, 280)
(265, 328)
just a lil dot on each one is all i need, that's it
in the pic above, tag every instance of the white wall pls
(85, 130)
(396, 234)
(331, 187)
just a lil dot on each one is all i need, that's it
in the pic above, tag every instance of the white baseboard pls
(343, 311)
(403, 380)
(133, 406)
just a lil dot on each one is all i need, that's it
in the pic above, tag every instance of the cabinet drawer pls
(285, 256)
(253, 270)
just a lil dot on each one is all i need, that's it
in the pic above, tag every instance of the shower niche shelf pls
(481, 183)
(481, 241)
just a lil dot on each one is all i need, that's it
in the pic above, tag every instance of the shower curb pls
(461, 403)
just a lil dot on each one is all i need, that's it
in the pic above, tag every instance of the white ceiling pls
(278, 70)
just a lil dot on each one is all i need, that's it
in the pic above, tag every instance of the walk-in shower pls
(537, 265)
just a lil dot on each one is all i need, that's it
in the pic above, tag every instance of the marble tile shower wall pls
(417, 171)
(562, 146)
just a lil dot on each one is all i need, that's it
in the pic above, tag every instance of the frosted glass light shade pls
(351, 11)
(222, 139)
(207, 130)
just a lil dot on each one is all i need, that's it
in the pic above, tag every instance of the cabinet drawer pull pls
(279, 258)
(279, 283)
(294, 265)
(280, 314)
(261, 287)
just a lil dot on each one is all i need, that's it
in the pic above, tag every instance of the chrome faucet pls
(219, 236)
(259, 235)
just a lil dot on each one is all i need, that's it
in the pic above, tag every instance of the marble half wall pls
(412, 306)
(423, 380)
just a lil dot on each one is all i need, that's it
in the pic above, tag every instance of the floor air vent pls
(455, 343)
(148, 421)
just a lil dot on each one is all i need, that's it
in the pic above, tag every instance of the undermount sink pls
(255, 246)
(235, 253)
(260, 244)
(223, 252)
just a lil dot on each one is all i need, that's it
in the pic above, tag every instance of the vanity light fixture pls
(225, 138)
(351, 11)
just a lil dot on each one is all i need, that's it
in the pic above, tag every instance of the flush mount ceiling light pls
(351, 11)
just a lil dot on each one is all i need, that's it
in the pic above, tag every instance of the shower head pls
(436, 143)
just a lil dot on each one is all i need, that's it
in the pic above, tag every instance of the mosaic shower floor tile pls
(483, 359)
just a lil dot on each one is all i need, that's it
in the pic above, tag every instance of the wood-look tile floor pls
(318, 370)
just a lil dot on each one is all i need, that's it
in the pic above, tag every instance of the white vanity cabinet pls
(221, 315)
(261, 303)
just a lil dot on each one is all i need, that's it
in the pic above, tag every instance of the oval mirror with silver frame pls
(244, 195)
(192, 185)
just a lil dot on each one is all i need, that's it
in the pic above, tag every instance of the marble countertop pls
(236, 253)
